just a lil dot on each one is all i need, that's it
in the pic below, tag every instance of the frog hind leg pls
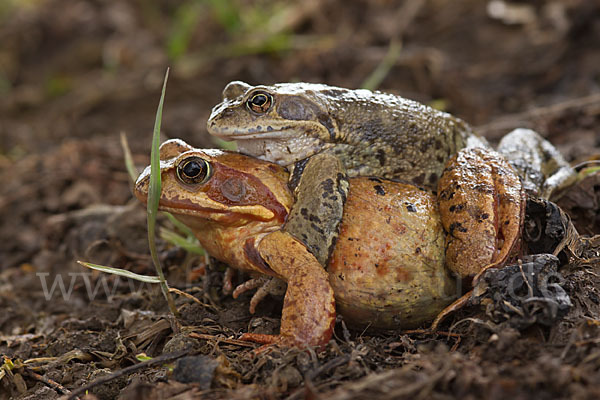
(540, 165)
(308, 315)
(321, 187)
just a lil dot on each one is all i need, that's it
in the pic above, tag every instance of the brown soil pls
(74, 74)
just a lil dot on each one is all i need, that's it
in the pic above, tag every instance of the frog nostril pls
(228, 112)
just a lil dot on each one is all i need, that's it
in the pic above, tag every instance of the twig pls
(128, 370)
(236, 342)
(189, 296)
(47, 381)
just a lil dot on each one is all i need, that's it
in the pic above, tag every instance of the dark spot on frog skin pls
(297, 173)
(483, 217)
(304, 212)
(419, 179)
(457, 207)
(379, 190)
(433, 178)
(314, 218)
(425, 145)
(259, 128)
(456, 226)
(317, 229)
(327, 186)
(381, 157)
(269, 128)
(411, 207)
(328, 124)
(438, 144)
(418, 250)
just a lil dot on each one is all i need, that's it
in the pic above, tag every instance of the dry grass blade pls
(121, 272)
(131, 169)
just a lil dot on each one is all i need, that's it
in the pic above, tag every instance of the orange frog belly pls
(388, 267)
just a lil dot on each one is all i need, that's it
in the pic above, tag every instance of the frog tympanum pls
(388, 267)
(324, 132)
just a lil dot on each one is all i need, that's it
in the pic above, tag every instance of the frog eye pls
(260, 102)
(193, 170)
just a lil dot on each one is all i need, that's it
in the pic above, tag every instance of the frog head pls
(282, 123)
(200, 186)
(228, 200)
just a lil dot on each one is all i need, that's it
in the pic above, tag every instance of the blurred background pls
(74, 74)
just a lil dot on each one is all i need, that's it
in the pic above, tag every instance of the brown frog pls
(387, 269)
(323, 133)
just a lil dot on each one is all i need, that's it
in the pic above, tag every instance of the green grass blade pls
(222, 144)
(378, 75)
(181, 241)
(179, 225)
(154, 197)
(121, 272)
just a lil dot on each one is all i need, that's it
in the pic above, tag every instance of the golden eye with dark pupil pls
(260, 102)
(193, 170)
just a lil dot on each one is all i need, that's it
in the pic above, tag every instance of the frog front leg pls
(321, 187)
(308, 314)
(542, 168)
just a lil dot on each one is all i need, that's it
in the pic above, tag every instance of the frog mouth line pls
(188, 209)
(268, 134)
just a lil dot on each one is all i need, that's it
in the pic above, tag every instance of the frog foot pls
(482, 206)
(227, 280)
(266, 286)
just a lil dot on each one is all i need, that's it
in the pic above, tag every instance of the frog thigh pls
(540, 165)
(308, 314)
(320, 196)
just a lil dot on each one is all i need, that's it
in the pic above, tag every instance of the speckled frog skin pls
(324, 134)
